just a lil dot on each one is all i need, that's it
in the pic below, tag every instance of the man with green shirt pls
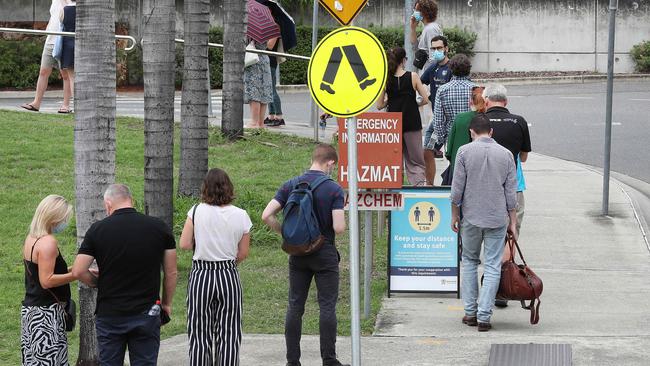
(459, 134)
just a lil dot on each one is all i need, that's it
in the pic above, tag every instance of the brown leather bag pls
(519, 282)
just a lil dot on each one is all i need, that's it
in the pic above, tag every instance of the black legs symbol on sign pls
(359, 69)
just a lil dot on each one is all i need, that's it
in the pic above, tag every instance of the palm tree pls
(234, 43)
(94, 139)
(158, 62)
(194, 101)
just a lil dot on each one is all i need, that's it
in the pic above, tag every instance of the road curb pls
(533, 80)
(302, 88)
(569, 79)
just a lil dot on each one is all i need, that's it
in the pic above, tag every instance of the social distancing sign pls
(347, 71)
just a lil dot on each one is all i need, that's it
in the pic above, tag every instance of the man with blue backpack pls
(312, 206)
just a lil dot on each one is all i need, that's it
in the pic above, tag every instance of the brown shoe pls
(484, 327)
(470, 320)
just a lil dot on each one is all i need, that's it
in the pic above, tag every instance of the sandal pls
(64, 110)
(29, 107)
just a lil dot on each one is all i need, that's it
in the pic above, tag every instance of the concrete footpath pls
(595, 269)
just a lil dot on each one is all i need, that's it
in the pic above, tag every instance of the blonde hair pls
(52, 210)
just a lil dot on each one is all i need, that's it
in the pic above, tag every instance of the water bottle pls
(155, 309)
(322, 124)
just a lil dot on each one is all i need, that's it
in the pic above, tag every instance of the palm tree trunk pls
(194, 101)
(158, 62)
(94, 139)
(234, 42)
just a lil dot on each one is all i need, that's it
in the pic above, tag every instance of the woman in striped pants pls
(219, 234)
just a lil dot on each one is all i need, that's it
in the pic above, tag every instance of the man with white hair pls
(511, 132)
(130, 249)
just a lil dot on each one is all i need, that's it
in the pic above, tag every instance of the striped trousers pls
(214, 310)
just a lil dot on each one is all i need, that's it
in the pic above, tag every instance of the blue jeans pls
(140, 332)
(494, 241)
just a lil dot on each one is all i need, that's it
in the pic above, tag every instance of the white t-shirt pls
(218, 230)
(55, 19)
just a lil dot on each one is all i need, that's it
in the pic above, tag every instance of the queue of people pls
(124, 254)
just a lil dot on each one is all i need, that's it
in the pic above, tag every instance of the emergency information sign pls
(379, 146)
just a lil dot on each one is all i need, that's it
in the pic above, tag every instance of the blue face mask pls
(417, 15)
(437, 55)
(59, 227)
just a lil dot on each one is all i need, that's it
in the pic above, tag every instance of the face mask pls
(438, 55)
(417, 16)
(59, 227)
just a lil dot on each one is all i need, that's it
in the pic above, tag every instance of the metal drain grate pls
(530, 355)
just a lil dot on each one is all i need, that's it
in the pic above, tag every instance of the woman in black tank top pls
(43, 338)
(399, 96)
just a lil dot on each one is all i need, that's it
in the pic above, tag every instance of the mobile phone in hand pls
(164, 317)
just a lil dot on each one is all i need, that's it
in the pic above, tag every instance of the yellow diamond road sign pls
(347, 71)
(343, 10)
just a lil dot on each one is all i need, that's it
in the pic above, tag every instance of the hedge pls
(19, 65)
(20, 62)
(641, 55)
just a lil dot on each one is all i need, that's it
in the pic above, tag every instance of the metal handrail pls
(134, 42)
(263, 52)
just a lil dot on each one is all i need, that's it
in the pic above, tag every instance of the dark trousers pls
(324, 267)
(141, 333)
(275, 107)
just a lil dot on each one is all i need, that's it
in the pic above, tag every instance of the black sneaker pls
(501, 303)
(335, 363)
(268, 121)
(276, 123)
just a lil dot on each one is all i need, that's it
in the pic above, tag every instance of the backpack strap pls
(320, 180)
(194, 228)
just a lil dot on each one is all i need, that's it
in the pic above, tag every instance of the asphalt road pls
(566, 120)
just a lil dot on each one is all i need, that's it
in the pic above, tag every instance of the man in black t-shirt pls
(130, 249)
(511, 132)
(322, 265)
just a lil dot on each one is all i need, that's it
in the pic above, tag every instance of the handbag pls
(519, 282)
(251, 58)
(69, 307)
(420, 58)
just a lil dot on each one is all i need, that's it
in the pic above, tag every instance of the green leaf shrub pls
(460, 41)
(20, 62)
(641, 55)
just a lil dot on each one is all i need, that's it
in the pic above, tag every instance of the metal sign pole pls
(210, 111)
(613, 6)
(408, 10)
(354, 242)
(313, 108)
(367, 261)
